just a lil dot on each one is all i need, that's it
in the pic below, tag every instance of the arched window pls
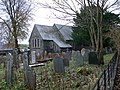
(38, 44)
(35, 43)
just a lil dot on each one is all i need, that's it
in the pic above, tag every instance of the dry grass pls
(79, 78)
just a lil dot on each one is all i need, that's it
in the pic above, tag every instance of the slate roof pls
(65, 31)
(61, 43)
(44, 31)
(49, 33)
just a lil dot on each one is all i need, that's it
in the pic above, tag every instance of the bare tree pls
(15, 15)
(115, 35)
(72, 8)
(69, 8)
(96, 30)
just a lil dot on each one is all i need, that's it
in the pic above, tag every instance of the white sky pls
(43, 16)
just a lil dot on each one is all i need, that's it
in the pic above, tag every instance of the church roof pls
(58, 35)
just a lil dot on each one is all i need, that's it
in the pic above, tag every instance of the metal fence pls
(107, 77)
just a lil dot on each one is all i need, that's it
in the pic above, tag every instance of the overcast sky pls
(44, 16)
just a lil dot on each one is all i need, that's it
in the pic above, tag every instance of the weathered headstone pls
(29, 75)
(38, 56)
(33, 56)
(41, 56)
(67, 58)
(25, 59)
(25, 65)
(73, 54)
(93, 58)
(86, 55)
(45, 54)
(62, 55)
(58, 64)
(82, 51)
(9, 65)
(78, 58)
(49, 55)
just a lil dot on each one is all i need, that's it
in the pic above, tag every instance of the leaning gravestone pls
(67, 58)
(33, 56)
(78, 58)
(9, 65)
(58, 64)
(25, 66)
(29, 75)
(93, 58)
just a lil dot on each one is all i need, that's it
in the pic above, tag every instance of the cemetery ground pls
(75, 78)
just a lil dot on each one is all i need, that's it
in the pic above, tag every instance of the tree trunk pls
(16, 43)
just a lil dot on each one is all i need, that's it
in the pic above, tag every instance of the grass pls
(79, 78)
(75, 78)
(108, 57)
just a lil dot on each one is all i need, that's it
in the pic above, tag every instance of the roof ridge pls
(42, 25)
(64, 25)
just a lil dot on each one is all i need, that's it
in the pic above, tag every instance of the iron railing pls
(107, 77)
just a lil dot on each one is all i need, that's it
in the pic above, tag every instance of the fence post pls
(108, 75)
(111, 69)
(104, 79)
(98, 87)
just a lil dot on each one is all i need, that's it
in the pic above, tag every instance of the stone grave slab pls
(93, 58)
(78, 58)
(58, 64)
(67, 58)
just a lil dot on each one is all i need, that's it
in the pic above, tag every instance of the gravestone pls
(29, 75)
(25, 65)
(86, 55)
(78, 58)
(45, 54)
(58, 64)
(62, 55)
(41, 56)
(82, 51)
(67, 58)
(93, 58)
(49, 55)
(9, 70)
(33, 56)
(73, 54)
(38, 56)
